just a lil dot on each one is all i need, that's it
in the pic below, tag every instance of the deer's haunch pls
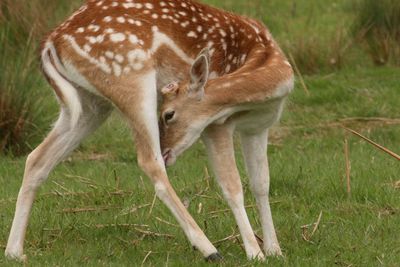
(216, 72)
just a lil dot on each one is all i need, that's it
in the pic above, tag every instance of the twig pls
(207, 178)
(167, 261)
(226, 210)
(340, 122)
(145, 258)
(132, 209)
(62, 187)
(145, 232)
(135, 227)
(396, 185)
(87, 209)
(260, 241)
(391, 153)
(247, 207)
(200, 208)
(305, 235)
(117, 180)
(152, 204)
(168, 223)
(125, 225)
(316, 224)
(348, 166)
(233, 236)
(300, 75)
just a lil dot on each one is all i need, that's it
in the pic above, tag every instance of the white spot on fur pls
(185, 24)
(94, 28)
(121, 19)
(119, 58)
(117, 37)
(133, 39)
(149, 6)
(109, 54)
(192, 34)
(128, 5)
(87, 48)
(107, 19)
(117, 69)
(136, 58)
(103, 66)
(109, 30)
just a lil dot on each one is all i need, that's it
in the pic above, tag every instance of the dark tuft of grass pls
(22, 25)
(377, 25)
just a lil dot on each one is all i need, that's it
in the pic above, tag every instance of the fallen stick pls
(226, 239)
(348, 166)
(384, 149)
(303, 84)
(88, 209)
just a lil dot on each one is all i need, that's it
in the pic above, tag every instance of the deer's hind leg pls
(254, 147)
(220, 148)
(55, 147)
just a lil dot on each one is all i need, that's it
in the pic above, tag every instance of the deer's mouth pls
(169, 157)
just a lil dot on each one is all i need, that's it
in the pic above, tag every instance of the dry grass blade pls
(166, 222)
(126, 225)
(88, 209)
(145, 258)
(227, 210)
(348, 166)
(260, 241)
(231, 237)
(300, 75)
(316, 224)
(135, 228)
(305, 234)
(384, 149)
(152, 204)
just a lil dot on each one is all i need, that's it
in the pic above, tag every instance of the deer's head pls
(185, 111)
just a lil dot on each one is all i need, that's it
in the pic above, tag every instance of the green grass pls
(307, 170)
(307, 177)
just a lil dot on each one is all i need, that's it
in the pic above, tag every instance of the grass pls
(23, 105)
(307, 170)
(378, 24)
(97, 205)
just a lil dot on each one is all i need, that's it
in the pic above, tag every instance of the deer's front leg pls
(219, 142)
(255, 154)
(146, 134)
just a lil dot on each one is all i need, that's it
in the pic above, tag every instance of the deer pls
(239, 86)
(129, 55)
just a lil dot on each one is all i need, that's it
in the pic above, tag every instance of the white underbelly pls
(261, 117)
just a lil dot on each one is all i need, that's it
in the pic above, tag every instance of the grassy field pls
(98, 208)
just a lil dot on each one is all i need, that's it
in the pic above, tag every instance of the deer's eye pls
(169, 116)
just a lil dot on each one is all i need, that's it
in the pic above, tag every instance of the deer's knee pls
(260, 188)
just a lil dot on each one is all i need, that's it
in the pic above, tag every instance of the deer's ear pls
(199, 74)
(170, 89)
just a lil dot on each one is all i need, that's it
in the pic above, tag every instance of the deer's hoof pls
(215, 257)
